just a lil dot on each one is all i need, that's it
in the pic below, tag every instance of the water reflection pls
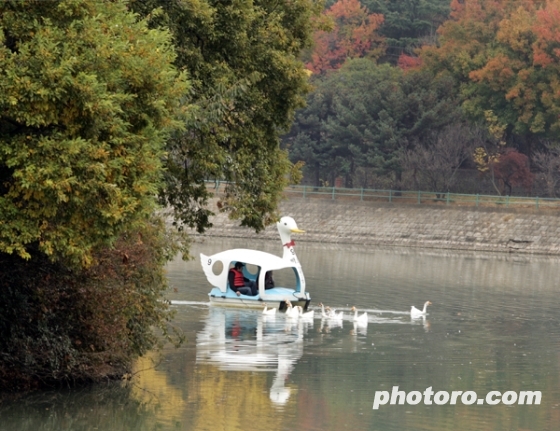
(108, 406)
(246, 340)
(493, 325)
(421, 320)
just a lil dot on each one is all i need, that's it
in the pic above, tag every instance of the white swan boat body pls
(261, 262)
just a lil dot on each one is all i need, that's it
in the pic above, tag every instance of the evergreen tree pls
(365, 115)
(408, 24)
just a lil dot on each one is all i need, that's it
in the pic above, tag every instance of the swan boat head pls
(286, 227)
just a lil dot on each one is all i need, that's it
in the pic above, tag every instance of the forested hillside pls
(432, 95)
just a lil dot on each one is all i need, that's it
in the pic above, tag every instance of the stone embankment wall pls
(444, 227)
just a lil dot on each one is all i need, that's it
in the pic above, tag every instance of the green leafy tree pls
(307, 140)
(247, 81)
(88, 96)
(374, 112)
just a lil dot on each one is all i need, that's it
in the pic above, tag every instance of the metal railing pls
(413, 197)
(421, 197)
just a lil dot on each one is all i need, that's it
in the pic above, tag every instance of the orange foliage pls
(547, 30)
(354, 35)
(508, 54)
(406, 62)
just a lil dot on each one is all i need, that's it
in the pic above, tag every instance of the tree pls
(548, 163)
(306, 142)
(512, 168)
(370, 113)
(354, 35)
(408, 25)
(433, 164)
(503, 54)
(247, 80)
(88, 96)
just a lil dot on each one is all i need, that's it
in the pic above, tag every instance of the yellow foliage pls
(483, 160)
(495, 127)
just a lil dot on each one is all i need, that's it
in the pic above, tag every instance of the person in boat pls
(268, 280)
(239, 283)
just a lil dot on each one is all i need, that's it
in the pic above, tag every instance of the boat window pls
(217, 267)
(251, 271)
(285, 278)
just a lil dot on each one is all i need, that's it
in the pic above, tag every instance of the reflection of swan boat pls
(257, 265)
(242, 340)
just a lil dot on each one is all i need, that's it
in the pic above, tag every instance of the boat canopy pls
(266, 262)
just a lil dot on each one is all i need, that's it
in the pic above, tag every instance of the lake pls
(493, 326)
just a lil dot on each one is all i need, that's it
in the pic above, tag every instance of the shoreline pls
(485, 229)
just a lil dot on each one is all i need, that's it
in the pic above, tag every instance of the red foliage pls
(547, 31)
(513, 169)
(406, 62)
(354, 35)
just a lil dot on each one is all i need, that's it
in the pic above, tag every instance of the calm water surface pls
(494, 325)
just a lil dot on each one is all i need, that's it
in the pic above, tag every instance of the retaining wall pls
(443, 227)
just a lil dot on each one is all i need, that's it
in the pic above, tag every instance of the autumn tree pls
(512, 168)
(355, 35)
(243, 60)
(504, 56)
(84, 117)
(89, 96)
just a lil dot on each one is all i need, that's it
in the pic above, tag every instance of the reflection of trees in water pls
(110, 406)
(153, 388)
(233, 400)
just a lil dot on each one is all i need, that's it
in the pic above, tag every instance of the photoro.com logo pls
(429, 397)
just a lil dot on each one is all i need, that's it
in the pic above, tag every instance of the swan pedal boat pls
(276, 297)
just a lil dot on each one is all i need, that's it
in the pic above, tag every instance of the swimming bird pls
(333, 314)
(324, 314)
(362, 319)
(307, 315)
(291, 311)
(268, 311)
(415, 312)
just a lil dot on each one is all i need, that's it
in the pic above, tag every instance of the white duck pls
(334, 315)
(324, 314)
(361, 320)
(415, 312)
(307, 315)
(268, 311)
(291, 311)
